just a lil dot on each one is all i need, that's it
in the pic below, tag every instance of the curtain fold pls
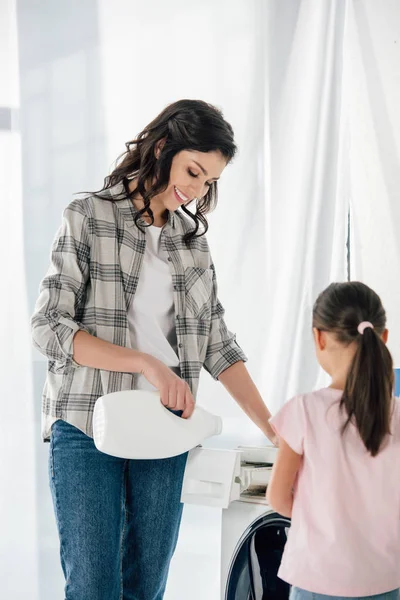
(374, 158)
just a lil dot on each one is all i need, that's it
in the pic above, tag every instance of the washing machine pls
(253, 535)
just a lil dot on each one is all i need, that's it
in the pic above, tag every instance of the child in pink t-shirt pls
(337, 474)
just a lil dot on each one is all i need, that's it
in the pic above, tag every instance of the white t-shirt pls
(151, 316)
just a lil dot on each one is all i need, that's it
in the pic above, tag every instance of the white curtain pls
(307, 185)
(311, 89)
(374, 158)
(18, 523)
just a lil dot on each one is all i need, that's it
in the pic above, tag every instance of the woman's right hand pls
(174, 391)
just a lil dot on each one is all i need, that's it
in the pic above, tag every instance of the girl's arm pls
(284, 473)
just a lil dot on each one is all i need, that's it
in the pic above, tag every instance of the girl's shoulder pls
(313, 406)
(319, 398)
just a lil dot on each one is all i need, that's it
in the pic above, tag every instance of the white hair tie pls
(363, 326)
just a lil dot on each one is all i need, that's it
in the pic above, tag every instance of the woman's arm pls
(63, 288)
(225, 362)
(284, 472)
(56, 332)
(90, 351)
(237, 381)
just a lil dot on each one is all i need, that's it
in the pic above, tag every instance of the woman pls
(130, 302)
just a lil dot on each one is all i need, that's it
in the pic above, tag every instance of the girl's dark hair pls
(367, 397)
(183, 125)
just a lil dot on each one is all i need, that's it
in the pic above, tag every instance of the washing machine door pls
(254, 567)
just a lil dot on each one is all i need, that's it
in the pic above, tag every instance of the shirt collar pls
(119, 192)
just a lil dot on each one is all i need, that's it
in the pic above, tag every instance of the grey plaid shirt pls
(95, 267)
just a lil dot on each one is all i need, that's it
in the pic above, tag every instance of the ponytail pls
(368, 391)
(354, 313)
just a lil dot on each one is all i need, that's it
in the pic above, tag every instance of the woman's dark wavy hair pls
(183, 125)
(367, 397)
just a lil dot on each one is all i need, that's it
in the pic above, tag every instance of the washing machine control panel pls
(219, 477)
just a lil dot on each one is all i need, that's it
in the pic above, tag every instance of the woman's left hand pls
(241, 387)
(275, 441)
(271, 435)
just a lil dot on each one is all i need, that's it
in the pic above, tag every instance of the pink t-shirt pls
(345, 536)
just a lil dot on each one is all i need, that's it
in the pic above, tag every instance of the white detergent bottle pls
(134, 424)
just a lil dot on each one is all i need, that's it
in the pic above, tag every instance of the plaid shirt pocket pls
(198, 292)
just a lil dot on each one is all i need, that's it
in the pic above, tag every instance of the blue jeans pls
(299, 594)
(118, 520)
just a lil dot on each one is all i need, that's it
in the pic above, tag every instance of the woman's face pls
(191, 175)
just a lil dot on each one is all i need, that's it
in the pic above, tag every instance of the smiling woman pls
(191, 178)
(175, 160)
(130, 302)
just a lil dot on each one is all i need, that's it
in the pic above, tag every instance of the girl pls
(130, 302)
(340, 450)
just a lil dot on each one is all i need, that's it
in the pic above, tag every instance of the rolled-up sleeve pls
(222, 351)
(63, 289)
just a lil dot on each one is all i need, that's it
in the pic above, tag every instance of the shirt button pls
(178, 317)
(180, 345)
(169, 259)
(175, 287)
